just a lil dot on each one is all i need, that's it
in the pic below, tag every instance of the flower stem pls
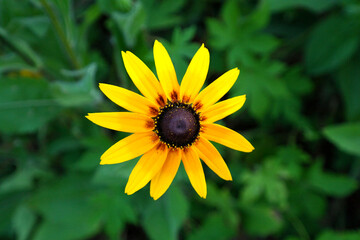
(298, 226)
(63, 40)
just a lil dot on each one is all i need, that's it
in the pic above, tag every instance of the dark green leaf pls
(67, 204)
(21, 48)
(261, 220)
(332, 235)
(25, 104)
(332, 184)
(316, 6)
(332, 42)
(349, 84)
(163, 218)
(21, 180)
(213, 228)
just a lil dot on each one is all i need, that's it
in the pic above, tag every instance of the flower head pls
(171, 123)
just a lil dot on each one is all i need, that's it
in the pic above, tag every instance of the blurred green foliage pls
(299, 62)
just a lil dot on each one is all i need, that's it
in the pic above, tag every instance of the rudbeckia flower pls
(171, 123)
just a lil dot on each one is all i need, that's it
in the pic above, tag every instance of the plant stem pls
(63, 40)
(298, 225)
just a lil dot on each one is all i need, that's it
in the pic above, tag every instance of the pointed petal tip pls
(102, 85)
(249, 149)
(155, 197)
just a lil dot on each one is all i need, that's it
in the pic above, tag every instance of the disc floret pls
(177, 125)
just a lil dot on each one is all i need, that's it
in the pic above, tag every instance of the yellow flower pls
(171, 122)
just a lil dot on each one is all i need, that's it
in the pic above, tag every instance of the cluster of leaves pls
(299, 62)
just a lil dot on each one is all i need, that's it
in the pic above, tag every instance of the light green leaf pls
(163, 14)
(130, 23)
(345, 136)
(23, 222)
(79, 92)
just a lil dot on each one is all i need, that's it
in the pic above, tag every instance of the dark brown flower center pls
(177, 125)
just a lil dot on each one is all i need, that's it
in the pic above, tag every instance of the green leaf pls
(181, 49)
(130, 23)
(164, 217)
(345, 136)
(261, 220)
(213, 228)
(349, 85)
(163, 14)
(67, 204)
(21, 180)
(259, 18)
(8, 204)
(114, 174)
(267, 180)
(38, 25)
(12, 62)
(332, 184)
(262, 85)
(332, 235)
(25, 104)
(21, 48)
(117, 211)
(315, 6)
(23, 221)
(332, 42)
(80, 92)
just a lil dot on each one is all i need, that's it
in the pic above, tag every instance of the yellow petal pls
(194, 171)
(146, 168)
(166, 72)
(222, 109)
(129, 100)
(130, 147)
(123, 121)
(143, 78)
(216, 90)
(212, 158)
(195, 75)
(226, 137)
(162, 180)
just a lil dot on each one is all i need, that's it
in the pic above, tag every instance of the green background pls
(300, 70)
